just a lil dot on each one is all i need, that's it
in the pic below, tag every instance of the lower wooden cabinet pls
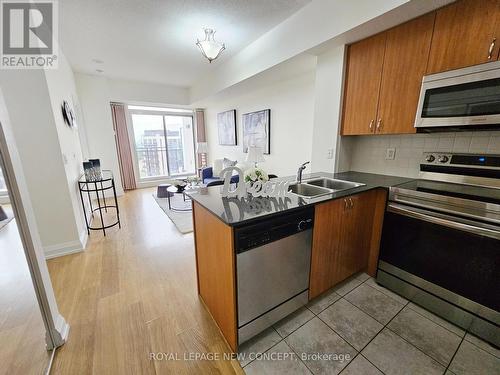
(346, 238)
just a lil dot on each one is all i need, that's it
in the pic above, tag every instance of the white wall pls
(94, 97)
(328, 94)
(61, 85)
(146, 92)
(318, 23)
(28, 224)
(368, 152)
(29, 105)
(292, 104)
(96, 93)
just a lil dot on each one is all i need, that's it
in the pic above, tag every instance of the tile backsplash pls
(367, 153)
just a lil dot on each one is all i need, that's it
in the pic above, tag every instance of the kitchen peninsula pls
(259, 259)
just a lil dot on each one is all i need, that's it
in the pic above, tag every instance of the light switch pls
(390, 154)
(329, 154)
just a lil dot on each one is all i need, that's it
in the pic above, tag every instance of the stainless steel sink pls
(333, 184)
(309, 191)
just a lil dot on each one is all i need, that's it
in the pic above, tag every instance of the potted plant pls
(179, 184)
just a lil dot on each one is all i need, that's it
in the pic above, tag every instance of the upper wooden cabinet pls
(406, 51)
(342, 238)
(364, 72)
(383, 79)
(465, 33)
(384, 72)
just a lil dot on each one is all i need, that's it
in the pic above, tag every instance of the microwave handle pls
(455, 224)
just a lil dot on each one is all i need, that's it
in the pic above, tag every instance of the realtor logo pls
(29, 34)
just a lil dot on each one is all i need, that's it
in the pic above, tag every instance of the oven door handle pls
(441, 220)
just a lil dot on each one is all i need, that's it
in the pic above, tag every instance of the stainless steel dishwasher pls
(273, 262)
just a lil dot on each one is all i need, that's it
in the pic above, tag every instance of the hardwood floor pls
(22, 331)
(133, 293)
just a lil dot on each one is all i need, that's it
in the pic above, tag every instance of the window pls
(164, 142)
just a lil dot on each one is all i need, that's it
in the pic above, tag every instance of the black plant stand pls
(99, 187)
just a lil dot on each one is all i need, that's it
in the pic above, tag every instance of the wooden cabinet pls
(405, 60)
(383, 79)
(356, 233)
(345, 238)
(326, 246)
(364, 72)
(463, 34)
(216, 270)
(384, 72)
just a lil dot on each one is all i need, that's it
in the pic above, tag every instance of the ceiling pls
(154, 40)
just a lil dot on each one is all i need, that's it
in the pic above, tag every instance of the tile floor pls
(362, 328)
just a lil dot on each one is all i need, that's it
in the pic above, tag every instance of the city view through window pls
(164, 145)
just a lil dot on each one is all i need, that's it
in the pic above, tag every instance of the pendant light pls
(209, 47)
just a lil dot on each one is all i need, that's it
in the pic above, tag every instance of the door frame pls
(57, 329)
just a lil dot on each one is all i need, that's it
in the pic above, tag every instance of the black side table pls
(99, 187)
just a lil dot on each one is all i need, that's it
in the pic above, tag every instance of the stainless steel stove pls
(441, 240)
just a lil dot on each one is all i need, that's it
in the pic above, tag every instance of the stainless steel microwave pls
(463, 99)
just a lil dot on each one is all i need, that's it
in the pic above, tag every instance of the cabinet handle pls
(371, 126)
(379, 124)
(492, 45)
(351, 203)
(345, 205)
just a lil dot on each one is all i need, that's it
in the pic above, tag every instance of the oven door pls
(459, 257)
(465, 97)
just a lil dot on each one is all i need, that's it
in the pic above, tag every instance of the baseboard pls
(84, 238)
(58, 335)
(66, 248)
(62, 328)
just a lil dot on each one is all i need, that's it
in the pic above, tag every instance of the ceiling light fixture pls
(209, 47)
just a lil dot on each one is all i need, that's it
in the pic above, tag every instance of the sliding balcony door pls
(163, 145)
(180, 145)
(150, 146)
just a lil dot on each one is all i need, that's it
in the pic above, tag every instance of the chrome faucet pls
(299, 172)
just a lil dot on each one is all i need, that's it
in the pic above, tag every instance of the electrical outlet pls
(390, 154)
(329, 154)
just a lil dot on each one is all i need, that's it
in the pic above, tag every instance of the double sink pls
(318, 187)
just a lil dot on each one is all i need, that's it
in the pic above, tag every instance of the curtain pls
(123, 146)
(200, 131)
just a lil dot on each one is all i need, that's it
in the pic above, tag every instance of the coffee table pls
(173, 189)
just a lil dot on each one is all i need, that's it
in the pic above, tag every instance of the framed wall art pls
(257, 130)
(226, 126)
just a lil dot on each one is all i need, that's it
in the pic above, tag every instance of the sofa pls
(211, 178)
(210, 175)
(208, 178)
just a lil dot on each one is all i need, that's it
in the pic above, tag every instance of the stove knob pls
(443, 158)
(430, 158)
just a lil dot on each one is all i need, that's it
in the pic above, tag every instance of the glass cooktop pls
(475, 193)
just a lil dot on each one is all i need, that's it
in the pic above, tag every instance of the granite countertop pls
(236, 212)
